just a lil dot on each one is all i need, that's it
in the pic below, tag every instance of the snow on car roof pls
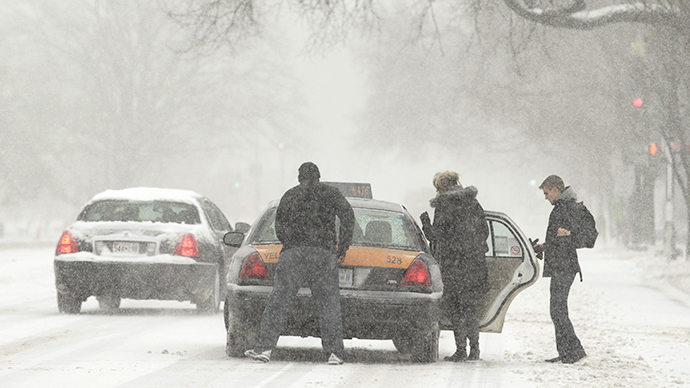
(149, 194)
(375, 204)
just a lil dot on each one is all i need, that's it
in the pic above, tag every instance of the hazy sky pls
(337, 87)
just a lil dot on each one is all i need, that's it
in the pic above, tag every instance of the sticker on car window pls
(346, 277)
(515, 250)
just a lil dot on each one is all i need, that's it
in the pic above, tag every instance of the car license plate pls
(125, 247)
(346, 275)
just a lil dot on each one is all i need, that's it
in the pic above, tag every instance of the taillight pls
(66, 244)
(253, 268)
(187, 246)
(417, 275)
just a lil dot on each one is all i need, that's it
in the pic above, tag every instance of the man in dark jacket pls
(561, 265)
(312, 249)
(458, 239)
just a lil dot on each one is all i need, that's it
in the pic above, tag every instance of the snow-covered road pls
(636, 330)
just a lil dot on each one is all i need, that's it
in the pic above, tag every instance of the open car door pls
(512, 267)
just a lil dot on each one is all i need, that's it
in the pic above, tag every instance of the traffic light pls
(653, 149)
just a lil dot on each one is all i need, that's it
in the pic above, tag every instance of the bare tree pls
(230, 23)
(662, 77)
(599, 123)
(102, 94)
(579, 14)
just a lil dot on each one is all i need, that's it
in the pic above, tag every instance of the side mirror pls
(233, 239)
(242, 227)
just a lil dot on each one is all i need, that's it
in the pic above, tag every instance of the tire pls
(403, 343)
(109, 302)
(68, 304)
(242, 334)
(212, 304)
(223, 282)
(425, 344)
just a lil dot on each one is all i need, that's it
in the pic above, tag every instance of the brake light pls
(253, 268)
(66, 244)
(187, 246)
(417, 275)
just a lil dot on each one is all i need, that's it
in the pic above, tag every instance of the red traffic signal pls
(637, 102)
(653, 149)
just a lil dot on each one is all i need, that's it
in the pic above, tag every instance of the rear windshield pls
(142, 211)
(372, 228)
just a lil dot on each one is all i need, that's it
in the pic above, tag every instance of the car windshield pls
(375, 228)
(141, 211)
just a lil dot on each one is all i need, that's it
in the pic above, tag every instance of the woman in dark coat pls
(458, 242)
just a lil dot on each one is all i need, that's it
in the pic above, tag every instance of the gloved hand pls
(426, 220)
(538, 248)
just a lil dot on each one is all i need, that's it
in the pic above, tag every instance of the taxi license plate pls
(346, 275)
(125, 247)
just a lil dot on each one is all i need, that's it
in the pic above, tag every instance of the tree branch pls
(577, 15)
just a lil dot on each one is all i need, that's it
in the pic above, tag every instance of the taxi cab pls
(390, 285)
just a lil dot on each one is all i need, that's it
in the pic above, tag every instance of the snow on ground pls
(635, 328)
(633, 323)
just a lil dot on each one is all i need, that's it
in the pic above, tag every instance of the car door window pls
(215, 217)
(502, 242)
(265, 231)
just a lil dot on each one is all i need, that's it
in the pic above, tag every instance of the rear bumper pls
(365, 314)
(182, 281)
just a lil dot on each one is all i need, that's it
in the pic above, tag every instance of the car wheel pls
(242, 334)
(211, 305)
(425, 344)
(108, 302)
(403, 343)
(68, 304)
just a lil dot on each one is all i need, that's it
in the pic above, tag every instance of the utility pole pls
(669, 227)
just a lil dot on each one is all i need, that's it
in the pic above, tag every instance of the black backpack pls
(586, 227)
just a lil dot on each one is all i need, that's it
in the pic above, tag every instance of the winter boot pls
(458, 356)
(460, 347)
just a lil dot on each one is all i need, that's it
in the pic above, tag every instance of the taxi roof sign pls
(350, 189)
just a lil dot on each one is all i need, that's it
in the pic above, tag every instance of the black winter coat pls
(560, 254)
(306, 218)
(458, 240)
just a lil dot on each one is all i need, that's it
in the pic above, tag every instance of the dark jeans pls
(305, 266)
(566, 340)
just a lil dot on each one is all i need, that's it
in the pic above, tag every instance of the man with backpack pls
(571, 226)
